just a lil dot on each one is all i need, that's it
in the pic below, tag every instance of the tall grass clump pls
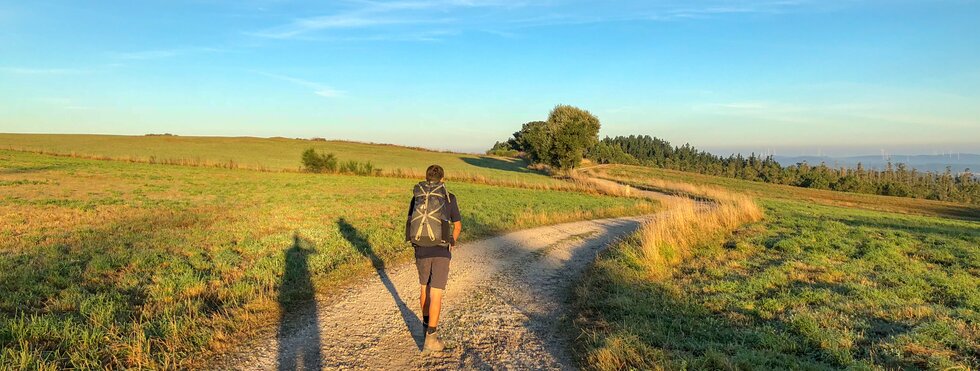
(668, 240)
(314, 162)
(605, 297)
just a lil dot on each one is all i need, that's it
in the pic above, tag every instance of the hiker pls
(430, 214)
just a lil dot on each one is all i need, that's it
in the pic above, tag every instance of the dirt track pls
(505, 308)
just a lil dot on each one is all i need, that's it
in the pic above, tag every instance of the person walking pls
(433, 229)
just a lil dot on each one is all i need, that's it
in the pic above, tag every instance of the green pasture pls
(131, 265)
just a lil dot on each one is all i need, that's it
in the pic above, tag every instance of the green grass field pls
(810, 287)
(119, 264)
(272, 153)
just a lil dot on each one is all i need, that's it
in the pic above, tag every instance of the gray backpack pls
(428, 225)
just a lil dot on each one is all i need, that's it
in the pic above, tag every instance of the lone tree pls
(560, 142)
(573, 132)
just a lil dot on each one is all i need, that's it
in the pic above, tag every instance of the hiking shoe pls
(433, 343)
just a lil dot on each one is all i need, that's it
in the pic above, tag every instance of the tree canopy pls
(561, 141)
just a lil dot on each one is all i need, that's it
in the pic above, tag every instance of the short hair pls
(434, 173)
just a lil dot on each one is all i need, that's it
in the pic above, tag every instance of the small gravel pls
(505, 308)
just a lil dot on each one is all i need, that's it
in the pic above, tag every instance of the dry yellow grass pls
(668, 240)
(704, 216)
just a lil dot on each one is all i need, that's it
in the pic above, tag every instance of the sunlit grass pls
(275, 154)
(117, 264)
(808, 287)
(651, 176)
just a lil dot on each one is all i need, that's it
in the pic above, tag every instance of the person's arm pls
(457, 228)
(408, 221)
(456, 219)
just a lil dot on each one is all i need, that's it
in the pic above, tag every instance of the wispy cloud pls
(653, 11)
(162, 53)
(503, 17)
(41, 71)
(317, 88)
(372, 14)
(840, 113)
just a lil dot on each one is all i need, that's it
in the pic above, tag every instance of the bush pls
(319, 163)
(504, 153)
(503, 149)
(328, 163)
(605, 153)
(358, 168)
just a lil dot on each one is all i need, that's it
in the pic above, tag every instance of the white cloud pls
(318, 88)
(371, 14)
(40, 71)
(162, 53)
(504, 17)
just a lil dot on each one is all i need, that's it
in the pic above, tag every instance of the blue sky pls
(793, 76)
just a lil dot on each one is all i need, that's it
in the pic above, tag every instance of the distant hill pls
(934, 163)
(275, 153)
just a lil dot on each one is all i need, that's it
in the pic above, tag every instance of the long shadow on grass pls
(363, 246)
(298, 306)
(515, 165)
(915, 227)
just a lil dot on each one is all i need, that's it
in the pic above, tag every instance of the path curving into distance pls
(506, 306)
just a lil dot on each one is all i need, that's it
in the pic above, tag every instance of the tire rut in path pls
(505, 307)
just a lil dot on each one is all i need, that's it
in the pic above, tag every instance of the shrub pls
(319, 163)
(605, 153)
(328, 163)
(503, 149)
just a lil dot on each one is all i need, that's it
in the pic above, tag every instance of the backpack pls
(428, 224)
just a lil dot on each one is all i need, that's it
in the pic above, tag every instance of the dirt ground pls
(504, 308)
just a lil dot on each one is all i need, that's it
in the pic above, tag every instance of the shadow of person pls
(363, 246)
(299, 312)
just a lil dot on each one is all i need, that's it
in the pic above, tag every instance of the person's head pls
(434, 174)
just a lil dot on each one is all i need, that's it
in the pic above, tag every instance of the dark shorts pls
(433, 272)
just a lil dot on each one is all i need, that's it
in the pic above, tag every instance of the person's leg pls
(425, 270)
(438, 278)
(435, 306)
(437, 283)
(424, 304)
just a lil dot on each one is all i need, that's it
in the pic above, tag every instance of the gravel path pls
(504, 308)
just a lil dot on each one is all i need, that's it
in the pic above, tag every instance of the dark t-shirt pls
(436, 252)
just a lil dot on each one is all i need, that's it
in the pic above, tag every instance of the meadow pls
(277, 154)
(810, 286)
(131, 265)
(641, 175)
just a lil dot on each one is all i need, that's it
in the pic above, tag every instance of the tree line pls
(893, 180)
(571, 134)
